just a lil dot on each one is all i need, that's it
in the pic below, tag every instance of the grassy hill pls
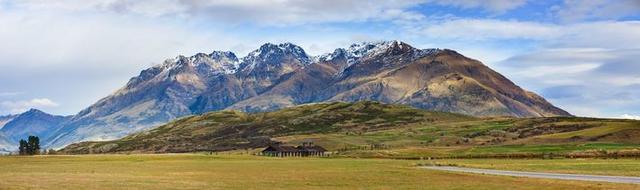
(228, 130)
(370, 129)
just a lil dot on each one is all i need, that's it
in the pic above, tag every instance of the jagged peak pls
(270, 53)
(218, 62)
(368, 48)
(215, 55)
(34, 110)
(228, 63)
(218, 55)
(271, 49)
(372, 49)
(283, 46)
(337, 53)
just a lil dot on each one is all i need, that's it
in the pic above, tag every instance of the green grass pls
(198, 171)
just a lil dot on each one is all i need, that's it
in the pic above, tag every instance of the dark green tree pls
(30, 147)
(33, 145)
(23, 147)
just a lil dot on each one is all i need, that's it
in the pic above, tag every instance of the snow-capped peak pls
(268, 50)
(226, 62)
(215, 62)
(270, 53)
(363, 49)
(355, 53)
(370, 48)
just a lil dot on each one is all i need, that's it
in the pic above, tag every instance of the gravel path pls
(602, 178)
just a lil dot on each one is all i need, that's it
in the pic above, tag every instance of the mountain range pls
(32, 122)
(276, 76)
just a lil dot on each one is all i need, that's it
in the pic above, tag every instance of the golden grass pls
(592, 132)
(197, 171)
(619, 167)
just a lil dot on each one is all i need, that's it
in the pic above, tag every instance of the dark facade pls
(306, 149)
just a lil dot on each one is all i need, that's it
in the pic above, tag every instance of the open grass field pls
(199, 171)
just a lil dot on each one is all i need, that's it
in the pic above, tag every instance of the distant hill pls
(32, 122)
(276, 76)
(363, 124)
(5, 143)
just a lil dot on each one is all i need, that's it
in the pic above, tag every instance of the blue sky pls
(61, 56)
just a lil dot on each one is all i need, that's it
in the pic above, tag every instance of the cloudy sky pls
(61, 56)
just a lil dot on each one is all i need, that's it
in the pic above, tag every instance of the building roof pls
(302, 148)
(280, 148)
(312, 148)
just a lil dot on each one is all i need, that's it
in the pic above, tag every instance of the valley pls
(312, 94)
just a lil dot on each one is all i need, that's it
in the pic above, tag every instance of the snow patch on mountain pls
(226, 62)
(372, 49)
(272, 53)
(6, 119)
(217, 62)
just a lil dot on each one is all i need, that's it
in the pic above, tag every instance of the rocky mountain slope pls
(282, 75)
(6, 119)
(32, 122)
(5, 144)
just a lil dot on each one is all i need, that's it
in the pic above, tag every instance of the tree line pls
(31, 146)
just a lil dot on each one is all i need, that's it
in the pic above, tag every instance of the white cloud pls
(576, 10)
(610, 67)
(497, 6)
(557, 70)
(14, 107)
(4, 94)
(581, 80)
(268, 12)
(51, 53)
(489, 29)
(51, 38)
(602, 34)
(628, 116)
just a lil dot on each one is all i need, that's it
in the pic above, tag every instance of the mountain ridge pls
(31, 122)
